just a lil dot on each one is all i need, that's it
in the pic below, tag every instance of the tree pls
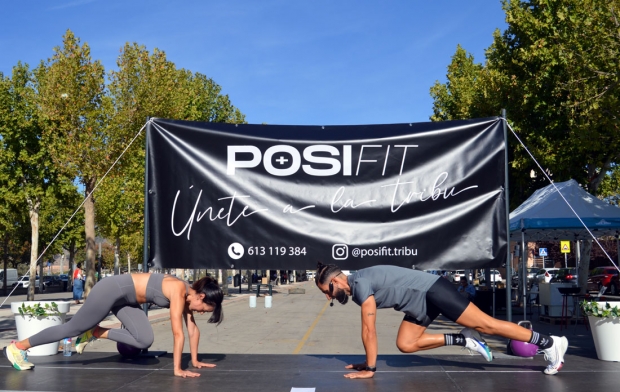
(556, 71)
(466, 93)
(71, 95)
(609, 188)
(28, 164)
(563, 58)
(149, 85)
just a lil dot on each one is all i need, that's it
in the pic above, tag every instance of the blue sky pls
(319, 62)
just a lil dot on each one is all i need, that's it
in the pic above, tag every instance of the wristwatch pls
(371, 368)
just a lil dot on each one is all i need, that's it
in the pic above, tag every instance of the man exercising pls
(422, 297)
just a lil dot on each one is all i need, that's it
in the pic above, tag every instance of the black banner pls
(429, 195)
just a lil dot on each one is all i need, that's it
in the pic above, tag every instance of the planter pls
(30, 325)
(605, 332)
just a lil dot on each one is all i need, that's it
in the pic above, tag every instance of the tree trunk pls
(72, 252)
(584, 266)
(117, 252)
(5, 264)
(89, 229)
(34, 245)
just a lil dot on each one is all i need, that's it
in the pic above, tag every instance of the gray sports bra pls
(154, 292)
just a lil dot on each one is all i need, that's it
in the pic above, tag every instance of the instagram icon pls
(340, 251)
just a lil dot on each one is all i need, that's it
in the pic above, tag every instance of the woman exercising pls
(123, 295)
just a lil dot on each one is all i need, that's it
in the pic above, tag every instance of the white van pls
(11, 277)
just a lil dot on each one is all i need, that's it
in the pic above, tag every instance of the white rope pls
(561, 195)
(79, 207)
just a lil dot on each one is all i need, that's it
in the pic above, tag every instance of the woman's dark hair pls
(79, 265)
(324, 272)
(213, 296)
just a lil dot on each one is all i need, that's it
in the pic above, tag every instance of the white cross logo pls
(281, 160)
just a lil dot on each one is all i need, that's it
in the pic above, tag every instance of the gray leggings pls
(114, 293)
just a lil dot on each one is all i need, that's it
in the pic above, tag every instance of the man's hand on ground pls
(361, 371)
(356, 366)
(361, 374)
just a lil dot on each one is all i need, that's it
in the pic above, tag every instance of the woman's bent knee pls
(145, 342)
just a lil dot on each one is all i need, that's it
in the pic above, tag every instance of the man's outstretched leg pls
(554, 347)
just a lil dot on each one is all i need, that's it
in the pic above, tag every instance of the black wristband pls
(371, 368)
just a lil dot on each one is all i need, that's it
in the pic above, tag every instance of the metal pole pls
(508, 260)
(99, 263)
(578, 256)
(145, 244)
(524, 262)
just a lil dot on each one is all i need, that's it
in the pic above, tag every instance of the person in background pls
(78, 283)
(467, 290)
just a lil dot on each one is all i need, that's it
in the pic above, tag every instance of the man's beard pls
(342, 297)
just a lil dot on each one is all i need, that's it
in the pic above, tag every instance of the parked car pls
(565, 275)
(604, 276)
(51, 280)
(24, 282)
(460, 274)
(448, 275)
(495, 276)
(544, 275)
(531, 276)
(11, 277)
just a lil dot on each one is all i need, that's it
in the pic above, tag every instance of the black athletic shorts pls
(442, 298)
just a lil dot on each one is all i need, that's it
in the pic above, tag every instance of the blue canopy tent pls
(545, 216)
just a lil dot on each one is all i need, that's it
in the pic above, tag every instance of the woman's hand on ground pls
(200, 365)
(186, 373)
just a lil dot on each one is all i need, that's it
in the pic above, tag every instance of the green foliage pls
(61, 124)
(38, 310)
(556, 71)
(148, 85)
(593, 308)
(609, 189)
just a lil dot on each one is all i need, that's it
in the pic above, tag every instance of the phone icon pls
(235, 250)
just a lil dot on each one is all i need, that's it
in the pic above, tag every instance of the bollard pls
(268, 301)
(252, 301)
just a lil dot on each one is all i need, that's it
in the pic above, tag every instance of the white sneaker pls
(17, 357)
(472, 334)
(555, 354)
(479, 347)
